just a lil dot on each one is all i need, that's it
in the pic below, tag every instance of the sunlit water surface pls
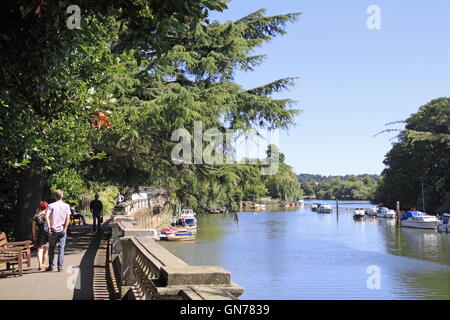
(294, 253)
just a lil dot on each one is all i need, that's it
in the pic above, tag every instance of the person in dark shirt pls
(97, 213)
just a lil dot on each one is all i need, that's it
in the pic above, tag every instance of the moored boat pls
(371, 211)
(419, 220)
(172, 233)
(359, 214)
(444, 225)
(256, 207)
(324, 208)
(187, 219)
(384, 212)
(314, 206)
(171, 230)
(182, 236)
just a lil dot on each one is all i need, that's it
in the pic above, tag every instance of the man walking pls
(119, 198)
(58, 221)
(97, 212)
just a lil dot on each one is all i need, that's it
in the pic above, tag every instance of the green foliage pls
(107, 195)
(284, 183)
(70, 182)
(158, 66)
(420, 156)
(348, 187)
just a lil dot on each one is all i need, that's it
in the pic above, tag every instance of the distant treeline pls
(306, 177)
(348, 187)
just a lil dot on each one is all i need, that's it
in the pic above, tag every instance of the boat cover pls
(409, 214)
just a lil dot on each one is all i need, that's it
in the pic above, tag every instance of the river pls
(294, 253)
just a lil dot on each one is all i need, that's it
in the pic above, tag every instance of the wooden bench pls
(14, 253)
(11, 257)
(76, 219)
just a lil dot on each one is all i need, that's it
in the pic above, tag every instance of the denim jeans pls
(54, 239)
(96, 221)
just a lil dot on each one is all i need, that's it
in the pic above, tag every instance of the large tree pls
(420, 157)
(48, 70)
(157, 65)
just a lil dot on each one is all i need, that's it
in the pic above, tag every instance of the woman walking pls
(40, 234)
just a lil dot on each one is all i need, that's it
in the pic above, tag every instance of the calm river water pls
(295, 253)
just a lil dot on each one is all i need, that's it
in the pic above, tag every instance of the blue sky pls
(352, 80)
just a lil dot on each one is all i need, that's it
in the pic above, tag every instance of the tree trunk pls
(28, 198)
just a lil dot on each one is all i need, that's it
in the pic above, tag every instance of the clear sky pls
(352, 80)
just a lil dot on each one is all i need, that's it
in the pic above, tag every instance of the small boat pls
(371, 211)
(420, 220)
(384, 212)
(324, 208)
(255, 207)
(301, 202)
(172, 233)
(314, 206)
(171, 230)
(292, 204)
(444, 225)
(359, 214)
(187, 219)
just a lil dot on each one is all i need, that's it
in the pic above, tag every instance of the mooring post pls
(337, 209)
(398, 211)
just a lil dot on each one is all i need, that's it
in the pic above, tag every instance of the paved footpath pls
(83, 277)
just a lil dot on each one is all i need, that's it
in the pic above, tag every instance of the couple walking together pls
(50, 228)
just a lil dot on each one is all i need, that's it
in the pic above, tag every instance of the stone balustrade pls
(150, 272)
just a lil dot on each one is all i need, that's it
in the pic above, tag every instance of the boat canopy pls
(410, 214)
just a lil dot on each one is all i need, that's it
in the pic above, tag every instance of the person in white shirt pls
(58, 220)
(119, 198)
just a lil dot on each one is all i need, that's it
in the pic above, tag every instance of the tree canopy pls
(421, 156)
(149, 67)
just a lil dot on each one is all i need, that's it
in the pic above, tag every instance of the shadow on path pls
(84, 290)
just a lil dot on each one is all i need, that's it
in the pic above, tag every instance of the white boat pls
(187, 219)
(324, 208)
(186, 236)
(301, 202)
(256, 207)
(420, 220)
(172, 233)
(314, 206)
(444, 225)
(386, 213)
(371, 211)
(359, 214)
